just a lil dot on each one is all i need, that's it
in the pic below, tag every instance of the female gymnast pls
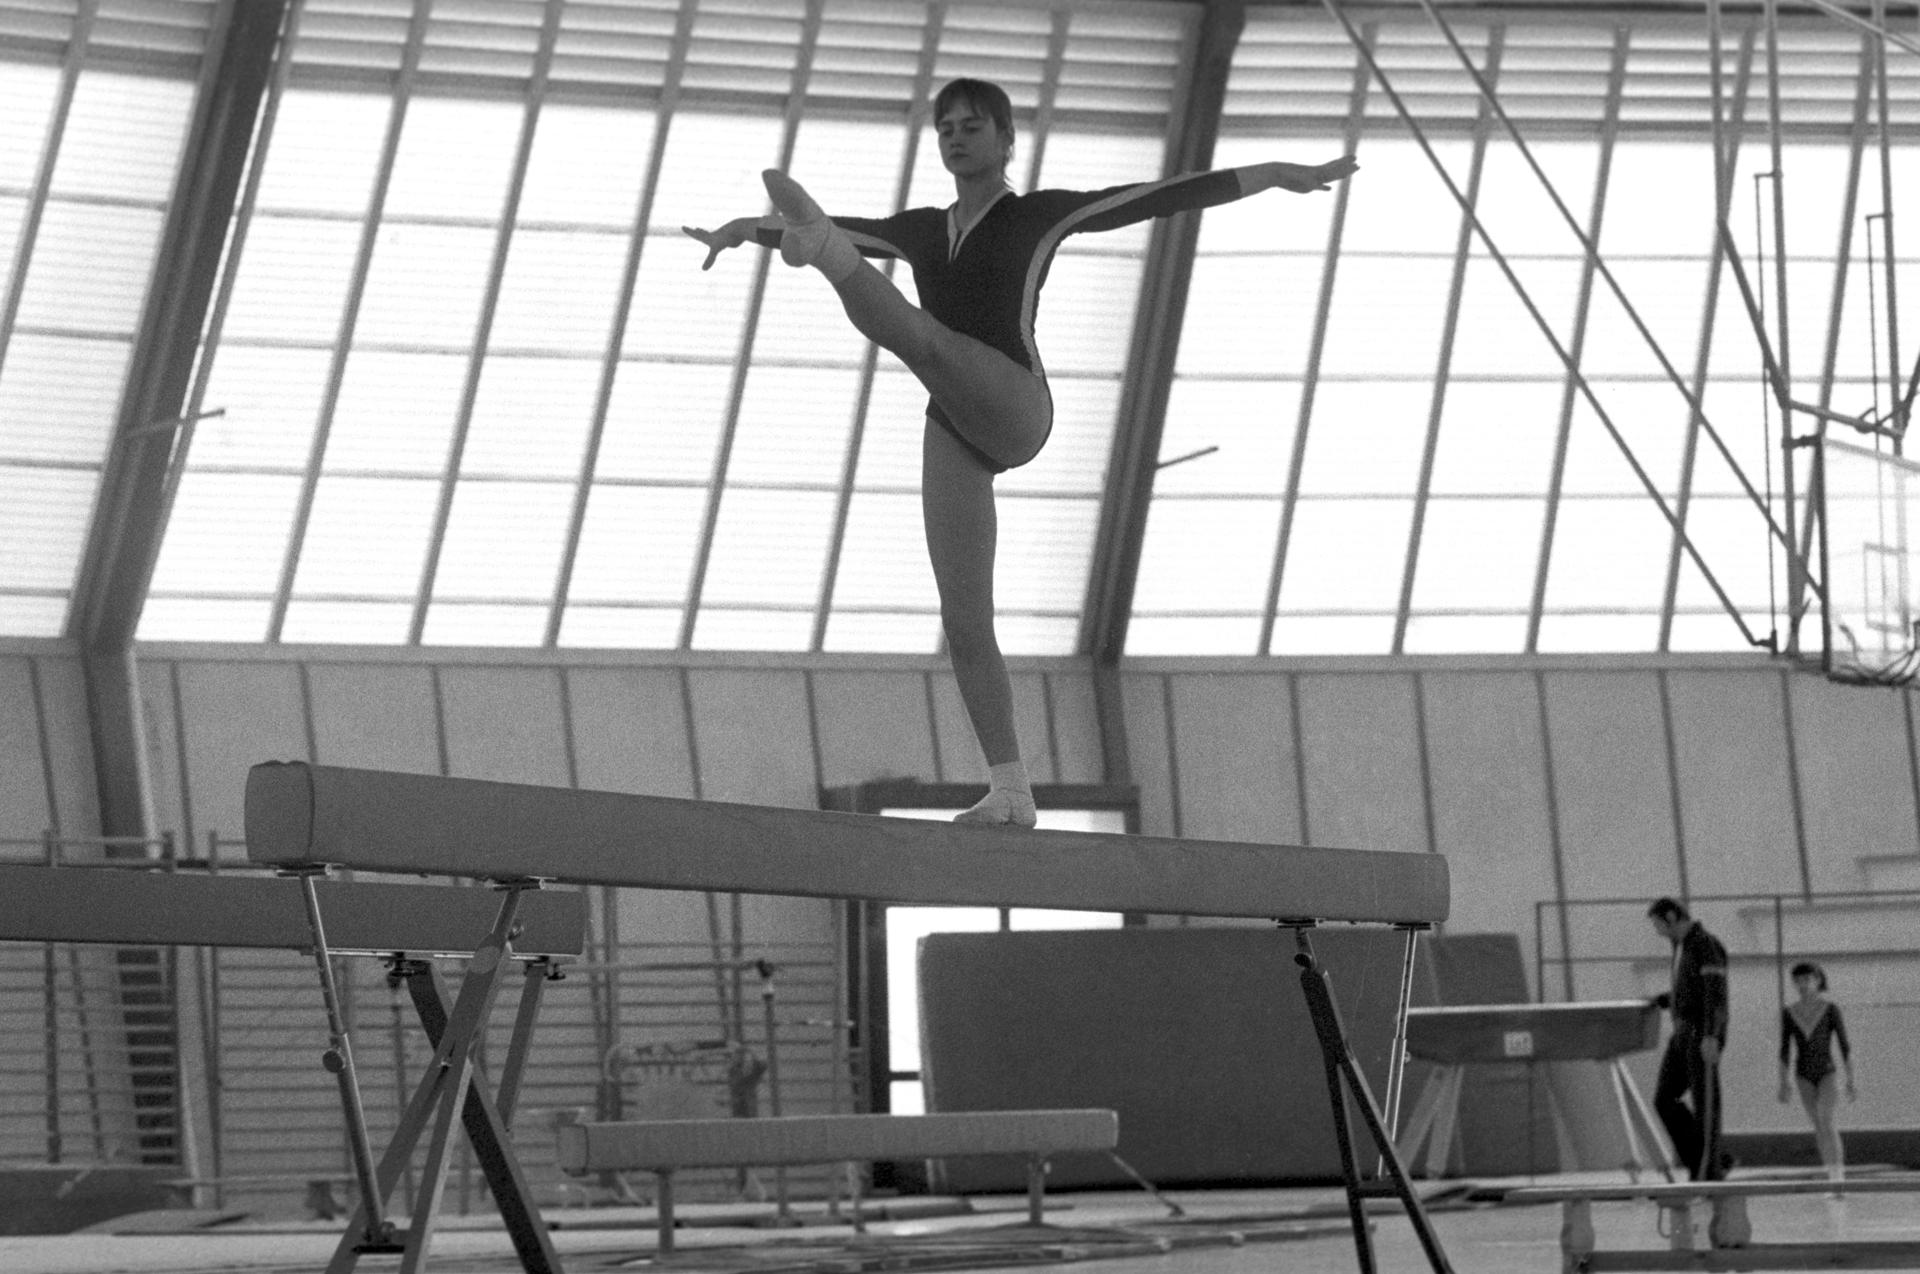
(978, 265)
(1811, 1026)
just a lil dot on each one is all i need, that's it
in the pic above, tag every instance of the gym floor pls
(1223, 1232)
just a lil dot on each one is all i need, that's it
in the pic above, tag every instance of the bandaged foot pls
(810, 238)
(1009, 799)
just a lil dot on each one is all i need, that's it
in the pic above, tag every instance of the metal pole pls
(783, 1212)
(1397, 1059)
(339, 1060)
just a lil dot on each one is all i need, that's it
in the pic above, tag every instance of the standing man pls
(1690, 1069)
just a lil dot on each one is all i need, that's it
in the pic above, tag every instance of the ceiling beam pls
(1149, 368)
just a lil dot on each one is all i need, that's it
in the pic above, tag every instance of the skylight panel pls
(890, 447)
(27, 95)
(503, 541)
(292, 283)
(43, 526)
(204, 557)
(883, 559)
(123, 138)
(58, 397)
(165, 618)
(636, 550)
(793, 427)
(477, 624)
(395, 413)
(1497, 335)
(1602, 552)
(89, 269)
(622, 44)
(911, 634)
(530, 418)
(1496, 438)
(769, 547)
(1190, 564)
(1251, 316)
(1386, 316)
(558, 292)
(344, 37)
(588, 165)
(271, 398)
(664, 421)
(1478, 555)
(745, 46)
(868, 52)
(454, 160)
(1651, 417)
(366, 538)
(358, 623)
(1046, 548)
(1346, 555)
(1517, 210)
(476, 38)
(1086, 315)
(425, 286)
(1252, 424)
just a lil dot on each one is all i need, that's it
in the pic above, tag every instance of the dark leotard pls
(990, 288)
(1815, 1061)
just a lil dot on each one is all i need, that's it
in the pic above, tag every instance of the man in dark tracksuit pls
(1691, 1065)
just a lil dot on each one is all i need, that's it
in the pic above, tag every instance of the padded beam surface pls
(102, 904)
(726, 1143)
(374, 820)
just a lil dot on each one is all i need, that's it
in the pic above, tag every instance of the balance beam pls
(665, 1146)
(299, 814)
(169, 909)
(404, 923)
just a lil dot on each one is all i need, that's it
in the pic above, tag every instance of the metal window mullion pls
(869, 363)
(1310, 379)
(756, 297)
(483, 330)
(70, 69)
(243, 216)
(1583, 310)
(1900, 417)
(1443, 365)
(349, 314)
(1843, 262)
(1049, 94)
(622, 311)
(1726, 146)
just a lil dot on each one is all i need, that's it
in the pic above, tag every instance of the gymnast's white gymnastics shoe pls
(1009, 799)
(810, 237)
(1002, 806)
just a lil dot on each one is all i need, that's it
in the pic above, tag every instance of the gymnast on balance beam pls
(978, 265)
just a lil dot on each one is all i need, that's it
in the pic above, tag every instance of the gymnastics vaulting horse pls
(306, 818)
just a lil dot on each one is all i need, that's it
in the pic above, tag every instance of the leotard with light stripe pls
(988, 285)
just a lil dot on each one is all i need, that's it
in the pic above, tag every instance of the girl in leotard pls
(1809, 1028)
(978, 266)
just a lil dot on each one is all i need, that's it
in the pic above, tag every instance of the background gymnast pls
(1810, 1027)
(978, 265)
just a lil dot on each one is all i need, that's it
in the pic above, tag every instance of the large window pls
(478, 391)
(1405, 463)
(94, 105)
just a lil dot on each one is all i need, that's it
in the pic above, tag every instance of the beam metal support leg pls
(1346, 1082)
(376, 1231)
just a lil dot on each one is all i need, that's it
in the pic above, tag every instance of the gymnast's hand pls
(1303, 179)
(731, 235)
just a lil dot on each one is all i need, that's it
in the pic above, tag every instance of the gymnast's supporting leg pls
(1822, 1103)
(956, 499)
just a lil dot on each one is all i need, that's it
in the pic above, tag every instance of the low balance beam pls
(299, 814)
(162, 909)
(666, 1146)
